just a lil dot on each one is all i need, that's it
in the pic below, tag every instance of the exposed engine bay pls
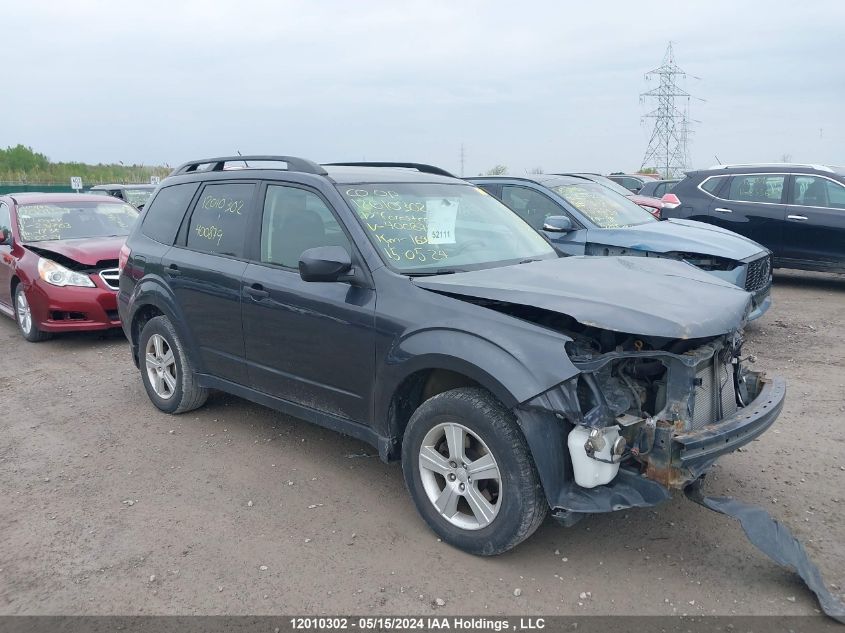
(636, 395)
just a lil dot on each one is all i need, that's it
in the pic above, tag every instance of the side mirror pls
(5, 237)
(324, 263)
(557, 224)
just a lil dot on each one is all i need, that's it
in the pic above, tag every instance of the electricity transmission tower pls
(668, 146)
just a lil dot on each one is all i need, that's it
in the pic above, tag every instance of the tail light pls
(670, 201)
(123, 257)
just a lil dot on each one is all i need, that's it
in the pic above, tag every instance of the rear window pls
(220, 218)
(712, 185)
(164, 215)
(757, 188)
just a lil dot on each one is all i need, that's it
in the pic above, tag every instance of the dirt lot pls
(110, 506)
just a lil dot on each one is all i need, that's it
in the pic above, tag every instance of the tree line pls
(23, 165)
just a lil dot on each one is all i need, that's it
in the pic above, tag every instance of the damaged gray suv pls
(412, 310)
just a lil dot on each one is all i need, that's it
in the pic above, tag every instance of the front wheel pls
(168, 376)
(23, 316)
(470, 472)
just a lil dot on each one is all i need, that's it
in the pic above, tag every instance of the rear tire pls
(23, 317)
(470, 472)
(167, 373)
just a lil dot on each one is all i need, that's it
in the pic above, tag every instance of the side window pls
(759, 188)
(295, 220)
(220, 219)
(5, 218)
(659, 190)
(532, 206)
(712, 185)
(164, 214)
(813, 191)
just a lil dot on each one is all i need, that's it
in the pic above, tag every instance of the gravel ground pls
(111, 507)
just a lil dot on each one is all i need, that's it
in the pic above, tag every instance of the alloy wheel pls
(160, 363)
(460, 476)
(24, 313)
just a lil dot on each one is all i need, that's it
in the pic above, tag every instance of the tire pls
(516, 505)
(167, 374)
(23, 317)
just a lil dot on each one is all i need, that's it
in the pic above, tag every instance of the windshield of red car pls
(71, 220)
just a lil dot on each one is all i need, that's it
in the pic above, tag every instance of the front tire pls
(168, 376)
(23, 316)
(470, 472)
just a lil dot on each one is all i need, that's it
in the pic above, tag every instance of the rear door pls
(534, 207)
(311, 343)
(753, 205)
(816, 221)
(205, 268)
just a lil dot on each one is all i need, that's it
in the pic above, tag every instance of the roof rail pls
(421, 167)
(810, 165)
(217, 164)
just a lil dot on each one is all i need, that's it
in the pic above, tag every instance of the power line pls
(668, 147)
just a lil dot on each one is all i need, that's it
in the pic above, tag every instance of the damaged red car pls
(59, 261)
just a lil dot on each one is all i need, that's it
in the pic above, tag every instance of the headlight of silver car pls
(57, 275)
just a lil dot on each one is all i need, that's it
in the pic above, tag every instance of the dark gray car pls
(413, 311)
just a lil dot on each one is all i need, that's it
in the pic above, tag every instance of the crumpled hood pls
(86, 251)
(637, 295)
(678, 235)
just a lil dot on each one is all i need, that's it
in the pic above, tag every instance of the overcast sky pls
(526, 84)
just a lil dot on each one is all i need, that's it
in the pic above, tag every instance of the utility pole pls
(462, 160)
(668, 147)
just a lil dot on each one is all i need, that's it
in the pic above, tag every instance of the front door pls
(6, 260)
(311, 343)
(534, 207)
(816, 220)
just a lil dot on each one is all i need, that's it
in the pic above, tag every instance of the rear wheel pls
(23, 316)
(470, 472)
(168, 376)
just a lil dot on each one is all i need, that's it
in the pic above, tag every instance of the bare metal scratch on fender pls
(776, 541)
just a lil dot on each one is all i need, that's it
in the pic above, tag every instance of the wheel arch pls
(434, 361)
(153, 298)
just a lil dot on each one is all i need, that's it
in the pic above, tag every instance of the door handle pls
(173, 270)
(256, 291)
(722, 210)
(796, 217)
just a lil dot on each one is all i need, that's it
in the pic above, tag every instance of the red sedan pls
(59, 260)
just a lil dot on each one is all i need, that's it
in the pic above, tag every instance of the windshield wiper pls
(439, 271)
(529, 260)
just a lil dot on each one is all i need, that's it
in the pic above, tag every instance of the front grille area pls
(111, 277)
(759, 274)
(714, 389)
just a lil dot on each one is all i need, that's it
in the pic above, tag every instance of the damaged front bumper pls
(682, 457)
(696, 451)
(667, 450)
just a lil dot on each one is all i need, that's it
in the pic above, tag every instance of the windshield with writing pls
(429, 227)
(70, 220)
(137, 197)
(604, 208)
